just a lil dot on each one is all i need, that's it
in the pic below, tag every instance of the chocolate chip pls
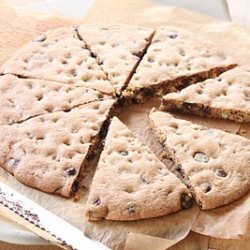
(13, 162)
(188, 106)
(120, 100)
(124, 153)
(103, 142)
(186, 201)
(131, 208)
(206, 187)
(178, 168)
(201, 157)
(182, 52)
(138, 53)
(75, 186)
(71, 171)
(172, 35)
(129, 190)
(219, 79)
(206, 110)
(97, 201)
(144, 179)
(63, 243)
(41, 38)
(148, 92)
(92, 54)
(221, 172)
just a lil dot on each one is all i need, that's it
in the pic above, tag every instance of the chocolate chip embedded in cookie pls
(172, 34)
(71, 171)
(124, 153)
(206, 187)
(131, 208)
(41, 38)
(96, 201)
(186, 201)
(13, 162)
(201, 157)
(144, 179)
(221, 172)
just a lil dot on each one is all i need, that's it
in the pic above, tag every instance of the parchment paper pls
(18, 27)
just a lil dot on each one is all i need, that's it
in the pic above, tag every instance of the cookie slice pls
(215, 164)
(131, 183)
(176, 58)
(58, 55)
(118, 49)
(227, 97)
(48, 151)
(25, 98)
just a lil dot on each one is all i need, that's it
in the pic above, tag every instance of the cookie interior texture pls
(175, 58)
(131, 183)
(227, 97)
(58, 93)
(215, 164)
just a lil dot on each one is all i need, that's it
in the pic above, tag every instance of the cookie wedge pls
(131, 183)
(215, 164)
(227, 97)
(22, 98)
(58, 55)
(118, 48)
(175, 59)
(48, 151)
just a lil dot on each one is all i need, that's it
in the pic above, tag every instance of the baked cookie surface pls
(48, 151)
(215, 164)
(118, 48)
(175, 58)
(23, 98)
(226, 97)
(131, 183)
(58, 92)
(58, 55)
